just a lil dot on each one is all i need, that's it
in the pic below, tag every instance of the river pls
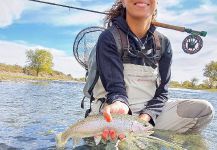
(31, 113)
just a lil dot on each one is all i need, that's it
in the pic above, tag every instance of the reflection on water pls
(33, 112)
(171, 141)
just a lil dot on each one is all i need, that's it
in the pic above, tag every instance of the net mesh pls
(84, 43)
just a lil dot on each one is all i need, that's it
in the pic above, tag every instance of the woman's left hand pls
(145, 117)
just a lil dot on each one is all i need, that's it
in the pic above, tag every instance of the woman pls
(130, 86)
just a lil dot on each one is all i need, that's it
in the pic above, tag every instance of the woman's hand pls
(115, 108)
(145, 117)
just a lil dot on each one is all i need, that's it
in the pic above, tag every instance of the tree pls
(40, 60)
(207, 83)
(210, 71)
(186, 84)
(194, 81)
(175, 84)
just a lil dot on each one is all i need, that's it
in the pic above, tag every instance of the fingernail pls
(107, 117)
(112, 134)
(105, 135)
(121, 136)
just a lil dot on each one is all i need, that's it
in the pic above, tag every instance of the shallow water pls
(31, 113)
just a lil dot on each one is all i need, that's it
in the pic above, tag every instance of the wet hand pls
(145, 117)
(115, 108)
(112, 135)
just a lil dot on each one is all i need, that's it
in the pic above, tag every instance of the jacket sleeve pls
(155, 105)
(110, 68)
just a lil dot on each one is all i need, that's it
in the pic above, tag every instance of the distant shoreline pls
(21, 77)
(184, 88)
(19, 73)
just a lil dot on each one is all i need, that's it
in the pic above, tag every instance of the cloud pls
(14, 53)
(10, 11)
(24, 11)
(184, 66)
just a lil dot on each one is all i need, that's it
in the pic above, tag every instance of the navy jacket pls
(110, 66)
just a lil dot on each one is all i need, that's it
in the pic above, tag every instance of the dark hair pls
(116, 10)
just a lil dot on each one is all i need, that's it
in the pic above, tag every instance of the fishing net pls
(84, 43)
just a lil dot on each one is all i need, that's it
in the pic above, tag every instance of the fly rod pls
(191, 44)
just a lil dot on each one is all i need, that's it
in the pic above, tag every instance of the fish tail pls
(60, 143)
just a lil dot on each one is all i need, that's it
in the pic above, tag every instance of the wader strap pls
(90, 91)
(158, 47)
(118, 38)
(125, 46)
(121, 42)
(90, 109)
(82, 102)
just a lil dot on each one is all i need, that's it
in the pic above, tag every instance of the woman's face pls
(140, 8)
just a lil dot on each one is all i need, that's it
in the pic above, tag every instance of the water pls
(31, 113)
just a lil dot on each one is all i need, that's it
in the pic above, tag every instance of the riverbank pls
(198, 89)
(20, 77)
(18, 73)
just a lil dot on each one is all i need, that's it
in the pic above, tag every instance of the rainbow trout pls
(148, 142)
(93, 126)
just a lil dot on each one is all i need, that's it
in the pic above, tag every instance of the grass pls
(18, 73)
(26, 77)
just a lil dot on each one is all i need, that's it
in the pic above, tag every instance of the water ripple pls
(33, 112)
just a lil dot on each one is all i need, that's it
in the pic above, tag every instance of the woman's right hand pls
(115, 108)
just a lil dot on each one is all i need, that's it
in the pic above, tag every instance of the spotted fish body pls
(96, 124)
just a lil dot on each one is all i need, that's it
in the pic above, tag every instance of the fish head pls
(141, 128)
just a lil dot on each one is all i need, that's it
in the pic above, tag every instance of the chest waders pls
(180, 116)
(94, 89)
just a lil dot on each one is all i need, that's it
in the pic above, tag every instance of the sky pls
(27, 25)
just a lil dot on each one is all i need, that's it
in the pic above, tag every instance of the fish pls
(94, 125)
(149, 142)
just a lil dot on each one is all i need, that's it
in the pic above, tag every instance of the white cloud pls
(14, 53)
(10, 11)
(13, 10)
(168, 3)
(185, 66)
(30, 12)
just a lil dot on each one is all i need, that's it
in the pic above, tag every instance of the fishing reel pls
(192, 43)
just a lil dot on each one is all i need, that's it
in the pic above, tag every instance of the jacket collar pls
(122, 24)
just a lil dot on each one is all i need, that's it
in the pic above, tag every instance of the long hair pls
(116, 10)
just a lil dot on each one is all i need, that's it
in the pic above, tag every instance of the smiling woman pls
(134, 79)
(144, 9)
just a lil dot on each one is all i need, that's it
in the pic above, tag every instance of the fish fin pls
(150, 132)
(163, 142)
(59, 142)
(116, 145)
(97, 139)
(145, 134)
(76, 141)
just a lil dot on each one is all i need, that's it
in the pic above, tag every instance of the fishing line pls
(70, 7)
(191, 44)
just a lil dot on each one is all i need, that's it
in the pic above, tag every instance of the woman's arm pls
(110, 67)
(155, 105)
